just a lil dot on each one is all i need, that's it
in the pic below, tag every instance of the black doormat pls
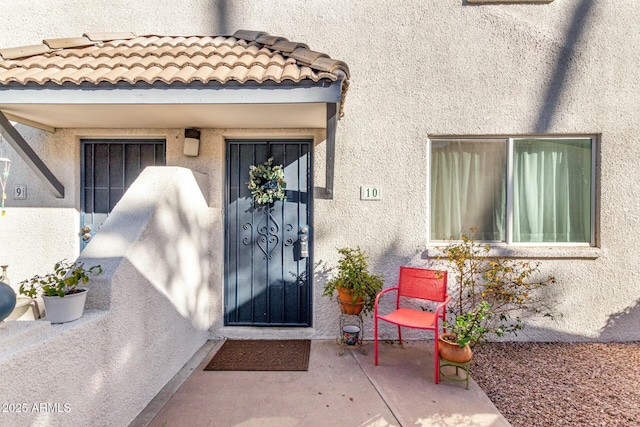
(261, 355)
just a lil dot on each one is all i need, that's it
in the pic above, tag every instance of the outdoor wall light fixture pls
(191, 142)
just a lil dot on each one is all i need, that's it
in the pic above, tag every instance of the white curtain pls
(468, 188)
(552, 190)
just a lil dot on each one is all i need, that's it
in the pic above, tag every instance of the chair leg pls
(375, 341)
(437, 361)
(399, 335)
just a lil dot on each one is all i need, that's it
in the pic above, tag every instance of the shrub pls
(506, 284)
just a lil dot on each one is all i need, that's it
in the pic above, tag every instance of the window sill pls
(533, 252)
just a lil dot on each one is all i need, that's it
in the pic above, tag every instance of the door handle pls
(303, 242)
(85, 232)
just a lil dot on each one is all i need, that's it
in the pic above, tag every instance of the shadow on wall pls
(621, 322)
(160, 227)
(222, 17)
(566, 57)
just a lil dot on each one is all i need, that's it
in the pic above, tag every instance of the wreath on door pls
(267, 183)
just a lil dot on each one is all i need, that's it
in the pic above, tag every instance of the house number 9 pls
(20, 192)
(370, 193)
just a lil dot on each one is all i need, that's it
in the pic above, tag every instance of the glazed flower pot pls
(350, 334)
(7, 300)
(453, 352)
(347, 305)
(65, 309)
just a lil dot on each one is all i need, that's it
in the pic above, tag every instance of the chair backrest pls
(421, 283)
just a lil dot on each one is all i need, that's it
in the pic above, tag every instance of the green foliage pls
(63, 281)
(470, 327)
(353, 274)
(267, 183)
(506, 284)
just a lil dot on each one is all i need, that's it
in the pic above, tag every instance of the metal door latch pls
(303, 242)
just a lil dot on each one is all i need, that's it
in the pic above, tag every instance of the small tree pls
(507, 285)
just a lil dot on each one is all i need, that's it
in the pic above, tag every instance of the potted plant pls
(455, 345)
(511, 287)
(63, 298)
(356, 286)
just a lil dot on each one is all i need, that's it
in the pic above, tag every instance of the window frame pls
(509, 187)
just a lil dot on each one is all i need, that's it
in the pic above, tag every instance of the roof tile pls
(330, 65)
(273, 72)
(306, 56)
(238, 74)
(269, 40)
(101, 37)
(288, 47)
(202, 74)
(219, 73)
(248, 35)
(184, 74)
(24, 51)
(96, 75)
(68, 42)
(256, 73)
(291, 72)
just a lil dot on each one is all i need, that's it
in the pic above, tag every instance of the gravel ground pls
(561, 384)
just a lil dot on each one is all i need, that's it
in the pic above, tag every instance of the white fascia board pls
(320, 92)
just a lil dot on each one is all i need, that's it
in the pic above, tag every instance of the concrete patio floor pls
(345, 390)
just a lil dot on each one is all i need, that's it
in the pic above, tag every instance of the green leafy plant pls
(267, 183)
(468, 328)
(508, 286)
(64, 280)
(353, 275)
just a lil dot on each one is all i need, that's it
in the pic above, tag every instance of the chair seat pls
(411, 318)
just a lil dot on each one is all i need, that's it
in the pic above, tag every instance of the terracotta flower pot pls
(453, 352)
(345, 297)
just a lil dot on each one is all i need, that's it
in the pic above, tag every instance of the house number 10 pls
(370, 193)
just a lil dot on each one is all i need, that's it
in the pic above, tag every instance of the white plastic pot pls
(65, 309)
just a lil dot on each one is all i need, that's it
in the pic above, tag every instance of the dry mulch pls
(561, 384)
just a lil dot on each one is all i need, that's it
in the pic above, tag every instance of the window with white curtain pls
(519, 190)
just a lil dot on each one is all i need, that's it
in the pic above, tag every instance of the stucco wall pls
(418, 69)
(147, 314)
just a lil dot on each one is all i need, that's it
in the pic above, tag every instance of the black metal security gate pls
(267, 270)
(109, 167)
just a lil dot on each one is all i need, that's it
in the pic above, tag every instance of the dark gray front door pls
(109, 167)
(268, 278)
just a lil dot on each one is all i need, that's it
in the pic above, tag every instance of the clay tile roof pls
(125, 57)
(116, 58)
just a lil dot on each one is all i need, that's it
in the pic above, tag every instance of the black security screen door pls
(268, 273)
(109, 167)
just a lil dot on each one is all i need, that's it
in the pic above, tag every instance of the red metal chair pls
(429, 285)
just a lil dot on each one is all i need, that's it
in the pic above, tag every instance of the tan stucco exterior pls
(419, 69)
